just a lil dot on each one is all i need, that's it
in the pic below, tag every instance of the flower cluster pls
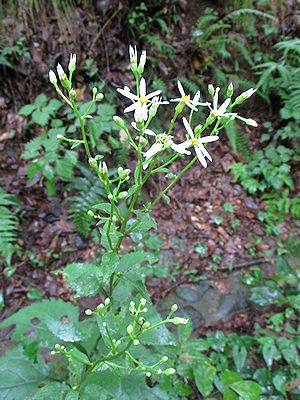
(145, 107)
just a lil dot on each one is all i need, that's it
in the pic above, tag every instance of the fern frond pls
(9, 225)
(248, 11)
(238, 140)
(88, 195)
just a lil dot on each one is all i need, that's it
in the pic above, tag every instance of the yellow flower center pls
(143, 100)
(194, 141)
(185, 99)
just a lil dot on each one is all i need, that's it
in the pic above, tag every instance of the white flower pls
(248, 121)
(244, 96)
(197, 143)
(221, 111)
(140, 103)
(163, 140)
(133, 56)
(52, 77)
(186, 98)
(72, 63)
(142, 62)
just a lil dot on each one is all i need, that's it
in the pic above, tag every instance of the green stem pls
(81, 121)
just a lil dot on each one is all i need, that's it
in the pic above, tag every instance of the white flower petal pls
(138, 114)
(178, 100)
(216, 98)
(144, 112)
(154, 149)
(196, 98)
(188, 127)
(128, 94)
(200, 157)
(132, 107)
(224, 107)
(189, 104)
(204, 151)
(180, 148)
(155, 93)
(142, 87)
(149, 132)
(208, 139)
(180, 88)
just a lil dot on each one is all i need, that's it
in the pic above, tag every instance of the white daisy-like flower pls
(221, 111)
(186, 98)
(162, 140)
(197, 143)
(140, 103)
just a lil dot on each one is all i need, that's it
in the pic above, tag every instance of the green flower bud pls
(107, 301)
(57, 347)
(52, 77)
(179, 321)
(143, 302)
(72, 63)
(148, 374)
(132, 304)
(59, 136)
(211, 89)
(164, 359)
(99, 97)
(88, 312)
(129, 329)
(93, 163)
(100, 307)
(119, 121)
(146, 325)
(230, 90)
(94, 90)
(170, 371)
(244, 96)
(136, 342)
(174, 307)
(72, 94)
(91, 213)
(122, 195)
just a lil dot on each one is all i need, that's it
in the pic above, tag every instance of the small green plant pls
(10, 54)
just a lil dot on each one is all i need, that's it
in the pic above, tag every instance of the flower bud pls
(91, 213)
(61, 73)
(179, 321)
(88, 312)
(230, 90)
(103, 170)
(244, 96)
(146, 325)
(99, 97)
(211, 89)
(72, 63)
(110, 197)
(142, 62)
(122, 195)
(100, 307)
(248, 121)
(148, 374)
(170, 371)
(143, 302)
(141, 321)
(133, 58)
(164, 359)
(93, 163)
(52, 77)
(174, 307)
(159, 371)
(119, 121)
(94, 90)
(59, 136)
(72, 94)
(57, 347)
(132, 304)
(136, 342)
(129, 329)
(198, 129)
(107, 301)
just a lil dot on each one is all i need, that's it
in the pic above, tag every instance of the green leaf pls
(146, 222)
(40, 117)
(204, 375)
(109, 264)
(239, 356)
(19, 377)
(27, 109)
(264, 296)
(229, 377)
(248, 390)
(32, 320)
(51, 391)
(84, 279)
(279, 382)
(270, 353)
(41, 99)
(67, 331)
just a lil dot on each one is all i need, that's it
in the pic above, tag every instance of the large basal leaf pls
(19, 377)
(265, 296)
(31, 322)
(84, 279)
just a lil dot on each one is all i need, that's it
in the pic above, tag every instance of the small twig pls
(245, 264)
